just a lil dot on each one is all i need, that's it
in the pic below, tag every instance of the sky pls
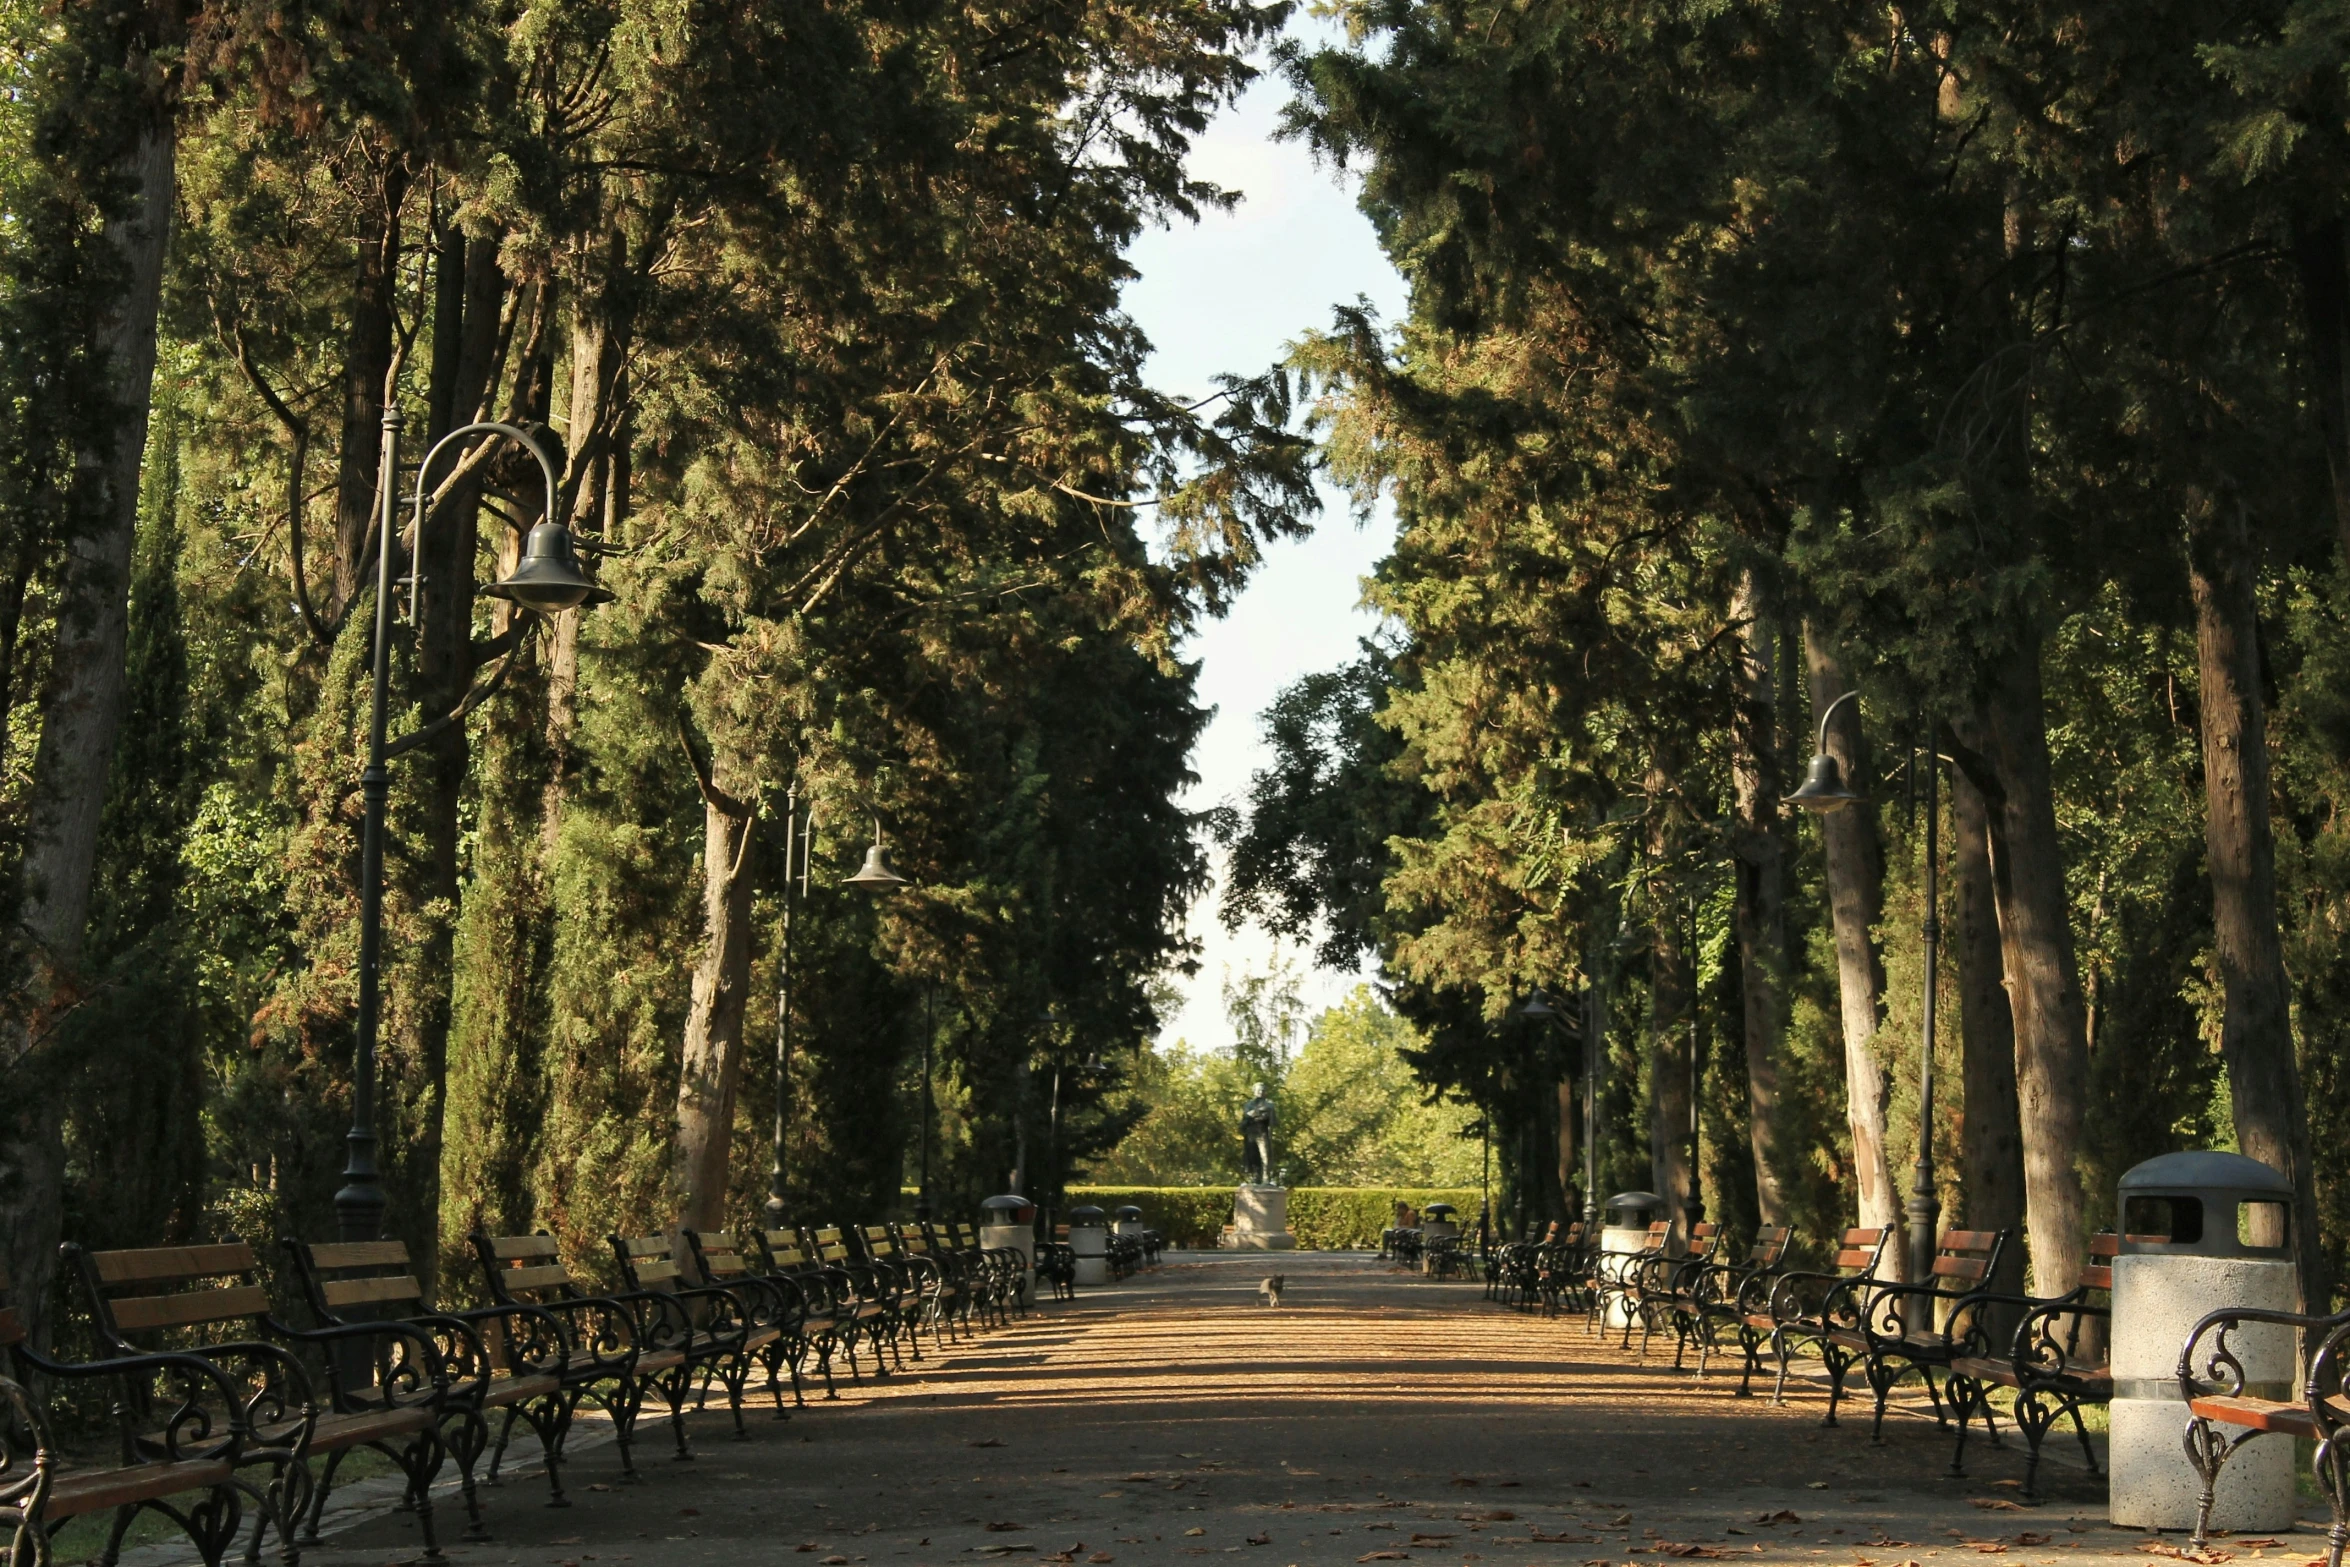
(1226, 294)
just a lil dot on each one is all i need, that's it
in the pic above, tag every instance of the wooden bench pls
(1667, 1286)
(2054, 1358)
(771, 1307)
(1737, 1296)
(833, 1317)
(604, 1362)
(897, 1281)
(506, 1359)
(383, 1381)
(872, 1294)
(1898, 1328)
(188, 1472)
(1806, 1307)
(2225, 1413)
(946, 1302)
(706, 1325)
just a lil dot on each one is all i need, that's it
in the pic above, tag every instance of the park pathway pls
(1375, 1416)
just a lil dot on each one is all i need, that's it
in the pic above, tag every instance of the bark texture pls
(1671, 997)
(1762, 889)
(1991, 1137)
(2008, 738)
(1856, 901)
(81, 718)
(714, 1021)
(2256, 1035)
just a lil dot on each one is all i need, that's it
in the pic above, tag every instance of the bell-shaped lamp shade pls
(1823, 788)
(1537, 1007)
(548, 579)
(877, 874)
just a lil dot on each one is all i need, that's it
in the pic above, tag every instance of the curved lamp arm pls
(1852, 695)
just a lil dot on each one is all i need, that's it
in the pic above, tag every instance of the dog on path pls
(1271, 1289)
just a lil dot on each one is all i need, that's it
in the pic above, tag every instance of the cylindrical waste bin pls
(1438, 1221)
(1129, 1220)
(1089, 1242)
(1009, 1224)
(1624, 1226)
(2200, 1231)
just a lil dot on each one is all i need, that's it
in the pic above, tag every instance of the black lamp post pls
(547, 581)
(1824, 791)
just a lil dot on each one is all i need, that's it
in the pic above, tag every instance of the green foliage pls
(1349, 1109)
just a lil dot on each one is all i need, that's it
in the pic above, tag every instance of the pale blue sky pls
(1227, 294)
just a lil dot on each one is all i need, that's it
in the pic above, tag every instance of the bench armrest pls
(407, 1362)
(196, 1385)
(2223, 1372)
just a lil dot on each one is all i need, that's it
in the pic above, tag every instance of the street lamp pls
(1824, 791)
(547, 581)
(875, 875)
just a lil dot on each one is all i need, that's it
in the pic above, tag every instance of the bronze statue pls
(1256, 1138)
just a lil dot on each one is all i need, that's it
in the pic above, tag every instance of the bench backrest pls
(2104, 1246)
(1770, 1245)
(154, 1291)
(912, 1242)
(785, 1254)
(717, 1257)
(11, 1324)
(648, 1262)
(879, 1242)
(1965, 1260)
(831, 1245)
(337, 1276)
(1860, 1251)
(524, 1268)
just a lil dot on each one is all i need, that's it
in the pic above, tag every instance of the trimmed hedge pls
(1323, 1218)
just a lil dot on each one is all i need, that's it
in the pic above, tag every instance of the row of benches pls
(221, 1400)
(1963, 1341)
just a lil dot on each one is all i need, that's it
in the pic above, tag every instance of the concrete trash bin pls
(2200, 1231)
(1089, 1242)
(1009, 1224)
(1624, 1223)
(1129, 1220)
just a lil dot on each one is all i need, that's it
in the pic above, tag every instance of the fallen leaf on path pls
(1260, 1539)
(2262, 1543)
(1432, 1539)
(1138, 1475)
(1004, 1528)
(1704, 1552)
(808, 1547)
(1195, 1531)
(1781, 1516)
(1101, 1556)
(1620, 1522)
(1465, 1480)
(1385, 1556)
(1564, 1539)
(2029, 1538)
(836, 1561)
(2157, 1548)
(1815, 1485)
(993, 1441)
(2016, 1485)
(1495, 1517)
(1989, 1547)
(1996, 1504)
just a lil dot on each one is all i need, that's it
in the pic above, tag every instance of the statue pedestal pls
(1260, 1220)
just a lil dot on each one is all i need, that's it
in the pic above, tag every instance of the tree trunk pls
(2009, 735)
(1991, 1137)
(2256, 1036)
(1856, 902)
(81, 716)
(1570, 1173)
(2322, 254)
(367, 360)
(1671, 996)
(1762, 894)
(714, 1022)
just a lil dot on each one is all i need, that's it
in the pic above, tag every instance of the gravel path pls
(1374, 1417)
